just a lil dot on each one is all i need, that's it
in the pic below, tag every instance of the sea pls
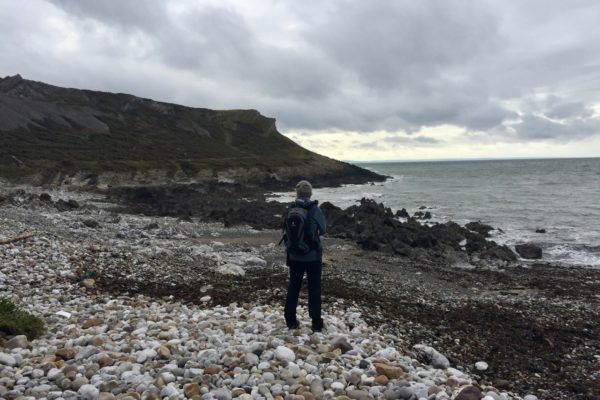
(560, 196)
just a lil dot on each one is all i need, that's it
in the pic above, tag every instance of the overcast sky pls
(358, 80)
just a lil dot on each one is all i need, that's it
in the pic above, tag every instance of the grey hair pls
(303, 189)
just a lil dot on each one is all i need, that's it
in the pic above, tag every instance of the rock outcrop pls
(529, 251)
(50, 134)
(375, 227)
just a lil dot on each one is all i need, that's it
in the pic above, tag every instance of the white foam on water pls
(570, 255)
(370, 195)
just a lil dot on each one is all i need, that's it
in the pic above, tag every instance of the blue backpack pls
(299, 229)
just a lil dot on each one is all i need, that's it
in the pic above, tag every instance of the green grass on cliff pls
(144, 148)
(68, 131)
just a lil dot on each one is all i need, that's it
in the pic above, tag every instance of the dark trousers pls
(313, 274)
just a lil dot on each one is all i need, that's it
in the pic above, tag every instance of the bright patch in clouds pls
(360, 80)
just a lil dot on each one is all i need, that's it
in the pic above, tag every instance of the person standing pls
(303, 226)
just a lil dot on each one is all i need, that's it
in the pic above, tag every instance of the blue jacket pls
(321, 226)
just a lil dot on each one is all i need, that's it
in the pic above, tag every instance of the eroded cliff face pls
(53, 135)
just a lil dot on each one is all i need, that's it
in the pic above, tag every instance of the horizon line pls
(467, 159)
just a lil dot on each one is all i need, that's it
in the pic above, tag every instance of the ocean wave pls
(574, 254)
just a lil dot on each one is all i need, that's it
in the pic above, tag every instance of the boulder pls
(69, 205)
(65, 353)
(475, 242)
(88, 392)
(402, 213)
(401, 248)
(191, 389)
(425, 240)
(496, 252)
(91, 223)
(529, 251)
(19, 341)
(431, 356)
(469, 393)
(45, 197)
(341, 343)
(450, 234)
(7, 359)
(92, 322)
(331, 211)
(480, 228)
(283, 353)
(390, 371)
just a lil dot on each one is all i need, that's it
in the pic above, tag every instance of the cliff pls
(54, 135)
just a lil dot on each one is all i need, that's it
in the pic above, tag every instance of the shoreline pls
(535, 326)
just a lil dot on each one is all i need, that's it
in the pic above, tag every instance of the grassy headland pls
(50, 134)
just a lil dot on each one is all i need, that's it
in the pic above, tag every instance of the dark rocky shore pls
(371, 225)
(535, 325)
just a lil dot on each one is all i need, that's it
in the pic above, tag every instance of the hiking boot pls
(317, 325)
(293, 325)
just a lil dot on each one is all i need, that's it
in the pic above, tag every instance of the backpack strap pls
(310, 217)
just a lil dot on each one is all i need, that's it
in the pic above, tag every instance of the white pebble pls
(53, 373)
(264, 365)
(146, 354)
(7, 359)
(481, 365)
(283, 353)
(88, 392)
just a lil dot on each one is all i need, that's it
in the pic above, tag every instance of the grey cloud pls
(334, 66)
(410, 140)
(533, 127)
(212, 39)
(569, 110)
(484, 117)
(396, 44)
(216, 42)
(124, 14)
(553, 118)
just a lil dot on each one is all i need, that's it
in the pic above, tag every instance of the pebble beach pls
(122, 341)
